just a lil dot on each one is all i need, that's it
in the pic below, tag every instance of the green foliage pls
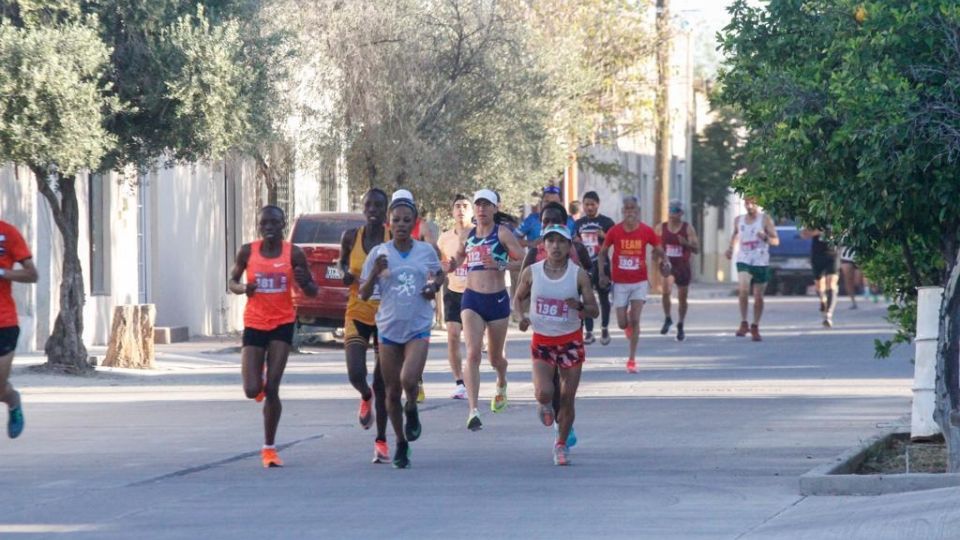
(54, 98)
(850, 120)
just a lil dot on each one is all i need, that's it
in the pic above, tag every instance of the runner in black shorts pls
(825, 261)
(13, 251)
(449, 244)
(679, 242)
(590, 230)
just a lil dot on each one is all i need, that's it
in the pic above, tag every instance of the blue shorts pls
(490, 307)
(419, 335)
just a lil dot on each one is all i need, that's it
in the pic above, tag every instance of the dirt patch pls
(901, 456)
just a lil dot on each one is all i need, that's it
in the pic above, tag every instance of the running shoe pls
(755, 333)
(571, 437)
(666, 326)
(459, 393)
(421, 395)
(366, 412)
(605, 337)
(263, 386)
(631, 366)
(545, 412)
(744, 328)
(381, 452)
(15, 422)
(680, 334)
(412, 428)
(588, 338)
(823, 306)
(560, 454)
(270, 458)
(401, 459)
(473, 421)
(827, 322)
(499, 401)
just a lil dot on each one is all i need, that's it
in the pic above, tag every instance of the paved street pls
(707, 441)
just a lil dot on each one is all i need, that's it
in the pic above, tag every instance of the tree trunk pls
(948, 366)
(661, 165)
(65, 349)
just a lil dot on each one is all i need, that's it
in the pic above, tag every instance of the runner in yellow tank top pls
(360, 319)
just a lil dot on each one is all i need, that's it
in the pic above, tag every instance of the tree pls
(52, 119)
(116, 85)
(852, 110)
(717, 159)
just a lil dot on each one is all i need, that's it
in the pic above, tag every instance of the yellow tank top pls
(364, 311)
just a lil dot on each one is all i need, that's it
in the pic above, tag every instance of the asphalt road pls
(706, 441)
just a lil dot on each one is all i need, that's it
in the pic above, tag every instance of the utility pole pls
(661, 171)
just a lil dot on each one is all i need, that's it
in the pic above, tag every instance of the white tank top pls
(753, 250)
(549, 313)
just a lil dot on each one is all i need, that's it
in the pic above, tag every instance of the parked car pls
(318, 235)
(790, 268)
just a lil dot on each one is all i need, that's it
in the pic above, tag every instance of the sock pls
(459, 382)
(269, 447)
(831, 302)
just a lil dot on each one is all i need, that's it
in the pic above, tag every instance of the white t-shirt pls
(403, 312)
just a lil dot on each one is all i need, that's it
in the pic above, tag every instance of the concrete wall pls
(18, 197)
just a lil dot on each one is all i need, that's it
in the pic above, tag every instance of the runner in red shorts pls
(555, 296)
(679, 240)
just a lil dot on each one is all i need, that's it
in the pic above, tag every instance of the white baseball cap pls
(401, 194)
(562, 230)
(486, 195)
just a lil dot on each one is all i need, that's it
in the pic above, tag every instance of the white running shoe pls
(459, 393)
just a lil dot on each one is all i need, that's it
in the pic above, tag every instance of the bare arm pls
(693, 239)
(602, 265)
(366, 287)
(507, 238)
(460, 255)
(521, 299)
(590, 307)
(27, 273)
(734, 237)
(771, 231)
(346, 246)
(301, 272)
(239, 267)
(583, 255)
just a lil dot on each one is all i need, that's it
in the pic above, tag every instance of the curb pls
(838, 478)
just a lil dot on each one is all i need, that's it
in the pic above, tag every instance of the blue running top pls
(478, 247)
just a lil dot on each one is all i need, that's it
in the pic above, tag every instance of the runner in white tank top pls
(754, 232)
(554, 297)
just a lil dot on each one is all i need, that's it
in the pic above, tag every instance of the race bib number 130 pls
(629, 262)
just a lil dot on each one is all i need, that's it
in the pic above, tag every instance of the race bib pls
(461, 271)
(629, 262)
(674, 250)
(552, 309)
(476, 254)
(591, 239)
(270, 282)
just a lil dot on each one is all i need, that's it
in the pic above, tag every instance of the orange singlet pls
(271, 304)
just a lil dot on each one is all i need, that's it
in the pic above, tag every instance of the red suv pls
(319, 237)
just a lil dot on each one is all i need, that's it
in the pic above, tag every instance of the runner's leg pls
(251, 370)
(570, 381)
(743, 280)
(543, 383)
(497, 336)
(473, 327)
(758, 302)
(415, 358)
(666, 288)
(356, 354)
(682, 293)
(453, 349)
(7, 393)
(379, 394)
(391, 365)
(636, 308)
(277, 354)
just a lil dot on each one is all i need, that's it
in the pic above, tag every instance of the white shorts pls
(624, 293)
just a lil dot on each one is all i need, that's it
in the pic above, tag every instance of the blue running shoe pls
(571, 437)
(15, 423)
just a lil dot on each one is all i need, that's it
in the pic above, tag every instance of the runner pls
(554, 214)
(360, 330)
(449, 243)
(485, 306)
(825, 261)
(628, 241)
(548, 294)
(591, 230)
(409, 275)
(529, 230)
(423, 230)
(679, 241)
(271, 266)
(13, 250)
(754, 232)
(851, 274)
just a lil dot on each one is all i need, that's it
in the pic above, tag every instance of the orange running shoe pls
(631, 366)
(381, 452)
(270, 458)
(744, 328)
(366, 413)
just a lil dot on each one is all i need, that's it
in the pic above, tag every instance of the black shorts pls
(8, 339)
(451, 307)
(824, 265)
(681, 272)
(261, 338)
(358, 332)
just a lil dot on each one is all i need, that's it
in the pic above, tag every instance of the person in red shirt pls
(271, 266)
(626, 244)
(13, 251)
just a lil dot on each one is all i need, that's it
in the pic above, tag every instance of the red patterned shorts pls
(562, 351)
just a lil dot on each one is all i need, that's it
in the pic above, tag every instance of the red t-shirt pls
(628, 253)
(13, 249)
